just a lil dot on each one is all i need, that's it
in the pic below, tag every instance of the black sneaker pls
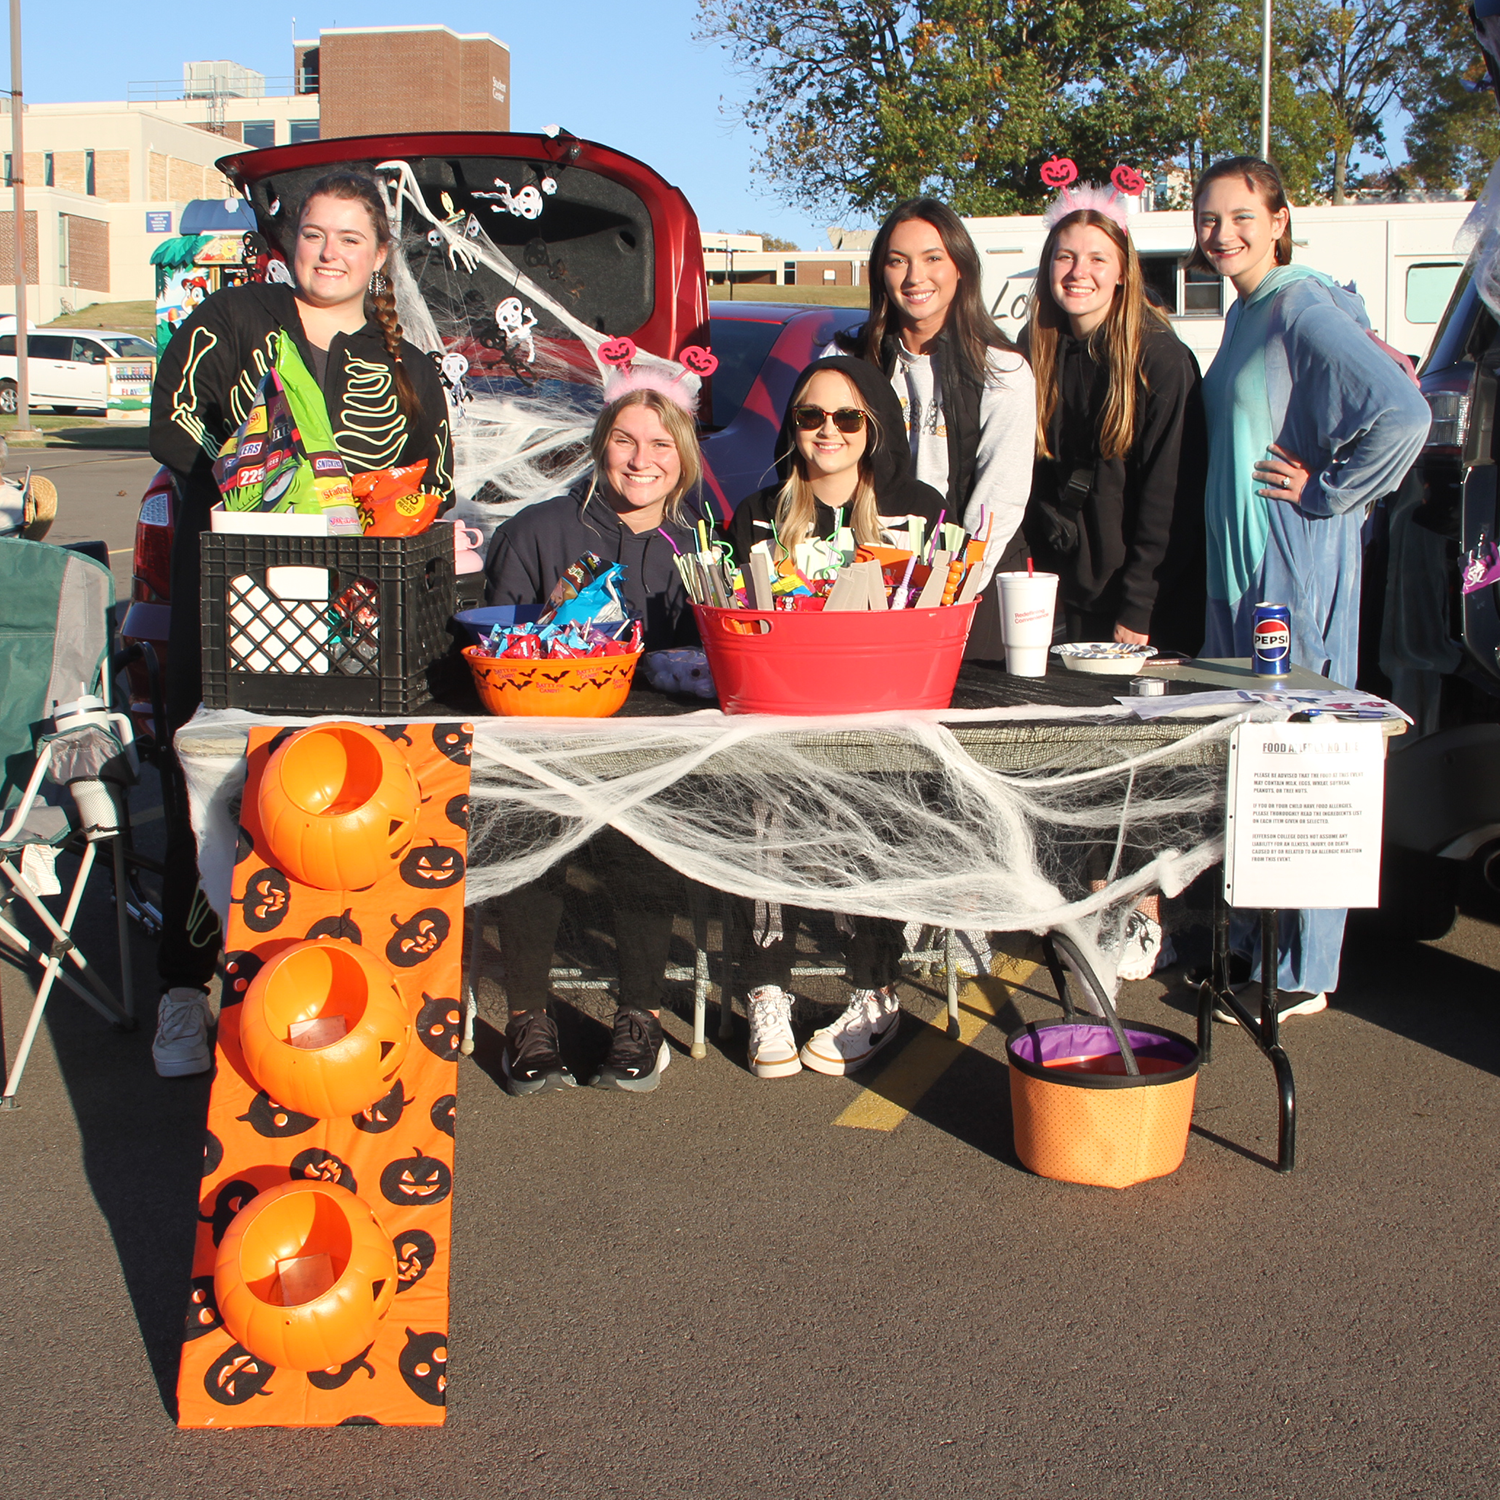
(637, 1054)
(531, 1062)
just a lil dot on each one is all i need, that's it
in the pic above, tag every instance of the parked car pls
(619, 244)
(67, 369)
(1439, 648)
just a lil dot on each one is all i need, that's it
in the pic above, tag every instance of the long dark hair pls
(1262, 178)
(1120, 335)
(972, 332)
(380, 306)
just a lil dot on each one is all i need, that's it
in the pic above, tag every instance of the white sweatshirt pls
(1007, 439)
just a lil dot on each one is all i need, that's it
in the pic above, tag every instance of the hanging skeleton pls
(526, 204)
(515, 323)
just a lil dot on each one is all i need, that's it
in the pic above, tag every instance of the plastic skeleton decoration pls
(527, 204)
(451, 371)
(454, 217)
(516, 323)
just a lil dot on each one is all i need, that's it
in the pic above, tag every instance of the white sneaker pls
(773, 1048)
(1301, 1005)
(181, 1045)
(1142, 947)
(870, 1021)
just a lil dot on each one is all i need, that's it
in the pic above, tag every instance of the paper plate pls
(1105, 658)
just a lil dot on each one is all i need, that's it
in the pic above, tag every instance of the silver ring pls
(1286, 481)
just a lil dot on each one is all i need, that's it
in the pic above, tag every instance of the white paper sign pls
(1304, 824)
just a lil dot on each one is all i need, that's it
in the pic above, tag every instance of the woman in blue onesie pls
(1309, 423)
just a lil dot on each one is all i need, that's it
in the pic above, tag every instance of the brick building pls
(380, 78)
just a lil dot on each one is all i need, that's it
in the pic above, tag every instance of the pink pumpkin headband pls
(622, 377)
(1062, 172)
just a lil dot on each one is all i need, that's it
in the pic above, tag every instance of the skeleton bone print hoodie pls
(206, 380)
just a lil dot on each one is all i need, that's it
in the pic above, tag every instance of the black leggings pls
(646, 896)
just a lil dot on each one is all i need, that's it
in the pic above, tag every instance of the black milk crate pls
(375, 641)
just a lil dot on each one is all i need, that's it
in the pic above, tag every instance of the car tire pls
(8, 401)
(1418, 895)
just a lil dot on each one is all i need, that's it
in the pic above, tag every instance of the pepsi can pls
(1271, 640)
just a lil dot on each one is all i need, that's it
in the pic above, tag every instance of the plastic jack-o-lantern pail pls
(338, 804)
(585, 687)
(1079, 1117)
(304, 1274)
(323, 1028)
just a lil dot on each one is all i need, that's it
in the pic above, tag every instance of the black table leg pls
(1264, 1031)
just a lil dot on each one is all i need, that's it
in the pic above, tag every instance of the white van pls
(68, 368)
(1398, 256)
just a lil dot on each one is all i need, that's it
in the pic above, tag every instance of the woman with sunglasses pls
(967, 397)
(840, 455)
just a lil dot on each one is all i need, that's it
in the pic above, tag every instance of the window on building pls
(9, 180)
(788, 269)
(259, 133)
(1428, 288)
(302, 130)
(49, 177)
(1202, 294)
(88, 173)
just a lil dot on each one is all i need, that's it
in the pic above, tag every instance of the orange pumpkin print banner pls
(320, 1277)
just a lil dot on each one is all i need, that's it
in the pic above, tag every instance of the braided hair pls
(380, 305)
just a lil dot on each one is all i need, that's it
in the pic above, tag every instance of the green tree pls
(1217, 72)
(1355, 57)
(771, 241)
(1454, 136)
(863, 102)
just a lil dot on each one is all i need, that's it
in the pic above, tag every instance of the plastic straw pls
(1030, 568)
(673, 545)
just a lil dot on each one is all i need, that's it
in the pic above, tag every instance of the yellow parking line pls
(932, 1051)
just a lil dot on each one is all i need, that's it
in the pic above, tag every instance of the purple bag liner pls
(1081, 1039)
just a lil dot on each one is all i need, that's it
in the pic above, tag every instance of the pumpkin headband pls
(623, 377)
(1062, 172)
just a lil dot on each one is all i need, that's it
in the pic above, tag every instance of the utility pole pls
(1265, 81)
(23, 428)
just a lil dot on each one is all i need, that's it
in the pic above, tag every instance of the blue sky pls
(627, 75)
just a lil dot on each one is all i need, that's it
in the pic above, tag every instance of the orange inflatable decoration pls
(304, 1275)
(324, 1029)
(338, 805)
(585, 687)
(396, 1153)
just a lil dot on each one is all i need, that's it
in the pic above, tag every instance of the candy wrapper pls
(391, 502)
(576, 577)
(599, 603)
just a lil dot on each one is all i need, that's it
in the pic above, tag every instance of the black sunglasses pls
(810, 418)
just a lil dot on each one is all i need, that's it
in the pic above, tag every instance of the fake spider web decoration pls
(521, 426)
(898, 816)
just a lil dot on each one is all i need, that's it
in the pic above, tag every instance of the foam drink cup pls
(1026, 605)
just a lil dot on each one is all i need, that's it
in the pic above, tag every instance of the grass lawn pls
(78, 432)
(128, 317)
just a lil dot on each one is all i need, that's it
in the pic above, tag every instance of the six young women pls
(1094, 447)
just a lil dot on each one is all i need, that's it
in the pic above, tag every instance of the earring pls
(378, 283)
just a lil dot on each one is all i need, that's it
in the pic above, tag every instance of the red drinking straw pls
(1030, 568)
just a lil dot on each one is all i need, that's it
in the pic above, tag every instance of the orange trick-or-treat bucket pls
(304, 1274)
(323, 1029)
(338, 804)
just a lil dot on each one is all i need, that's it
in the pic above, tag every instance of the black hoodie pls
(896, 492)
(530, 552)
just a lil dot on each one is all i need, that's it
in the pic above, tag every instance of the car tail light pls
(1447, 394)
(153, 543)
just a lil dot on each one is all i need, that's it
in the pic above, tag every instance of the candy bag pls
(323, 475)
(391, 502)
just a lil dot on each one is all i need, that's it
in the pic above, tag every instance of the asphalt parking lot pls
(819, 1287)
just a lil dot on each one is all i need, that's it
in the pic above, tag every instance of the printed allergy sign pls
(1304, 815)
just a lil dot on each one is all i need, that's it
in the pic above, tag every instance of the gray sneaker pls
(181, 1045)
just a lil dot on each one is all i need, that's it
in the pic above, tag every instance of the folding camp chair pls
(61, 747)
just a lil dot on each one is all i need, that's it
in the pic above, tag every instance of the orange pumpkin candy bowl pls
(585, 687)
(334, 993)
(339, 806)
(304, 1274)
